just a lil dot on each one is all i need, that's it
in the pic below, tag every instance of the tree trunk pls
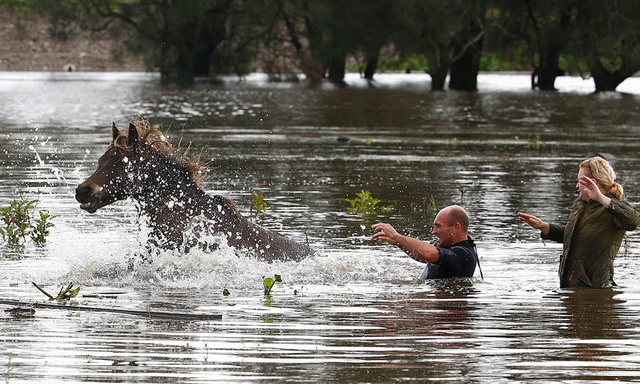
(464, 71)
(178, 67)
(313, 70)
(370, 68)
(337, 70)
(548, 71)
(606, 80)
(551, 46)
(438, 78)
(202, 63)
(439, 68)
(466, 63)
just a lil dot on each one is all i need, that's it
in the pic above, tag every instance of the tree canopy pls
(454, 39)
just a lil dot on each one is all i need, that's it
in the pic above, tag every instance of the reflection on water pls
(354, 313)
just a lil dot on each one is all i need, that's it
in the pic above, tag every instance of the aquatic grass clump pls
(18, 223)
(66, 292)
(366, 205)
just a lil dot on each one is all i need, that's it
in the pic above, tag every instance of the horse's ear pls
(132, 140)
(115, 131)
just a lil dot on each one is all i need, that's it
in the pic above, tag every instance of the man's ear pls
(132, 139)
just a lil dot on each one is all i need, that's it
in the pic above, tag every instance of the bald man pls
(454, 255)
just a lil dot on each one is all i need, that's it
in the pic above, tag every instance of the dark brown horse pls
(143, 165)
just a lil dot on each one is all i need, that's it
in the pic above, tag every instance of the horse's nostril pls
(83, 191)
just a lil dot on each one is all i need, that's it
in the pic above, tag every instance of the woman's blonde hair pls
(600, 170)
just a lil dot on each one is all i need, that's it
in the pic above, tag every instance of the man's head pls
(451, 225)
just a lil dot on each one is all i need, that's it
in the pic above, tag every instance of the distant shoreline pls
(517, 82)
(25, 45)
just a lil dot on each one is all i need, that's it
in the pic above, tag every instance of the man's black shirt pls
(459, 260)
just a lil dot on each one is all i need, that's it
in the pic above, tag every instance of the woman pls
(598, 221)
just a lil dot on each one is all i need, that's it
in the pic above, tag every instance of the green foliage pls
(66, 292)
(18, 223)
(225, 292)
(432, 207)
(258, 205)
(268, 283)
(497, 61)
(367, 206)
(403, 63)
(41, 228)
(184, 40)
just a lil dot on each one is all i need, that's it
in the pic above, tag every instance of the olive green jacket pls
(591, 239)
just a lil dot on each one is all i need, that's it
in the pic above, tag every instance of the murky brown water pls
(353, 313)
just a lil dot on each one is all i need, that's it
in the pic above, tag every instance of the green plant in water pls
(16, 220)
(65, 293)
(258, 205)
(18, 224)
(40, 230)
(9, 369)
(462, 190)
(366, 205)
(536, 141)
(268, 283)
(432, 208)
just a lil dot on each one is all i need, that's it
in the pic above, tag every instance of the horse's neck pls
(182, 199)
(167, 189)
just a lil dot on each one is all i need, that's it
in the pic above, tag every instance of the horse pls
(143, 165)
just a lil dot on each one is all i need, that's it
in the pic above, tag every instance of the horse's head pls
(109, 182)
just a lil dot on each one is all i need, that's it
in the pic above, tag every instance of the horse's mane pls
(156, 141)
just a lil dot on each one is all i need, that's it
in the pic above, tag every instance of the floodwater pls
(354, 312)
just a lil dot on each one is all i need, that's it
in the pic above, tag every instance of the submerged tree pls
(467, 50)
(327, 34)
(176, 37)
(180, 39)
(444, 32)
(545, 27)
(184, 40)
(303, 34)
(376, 29)
(608, 39)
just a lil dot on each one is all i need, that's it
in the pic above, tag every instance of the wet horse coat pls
(142, 165)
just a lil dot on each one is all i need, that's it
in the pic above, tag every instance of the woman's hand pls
(593, 190)
(591, 187)
(534, 222)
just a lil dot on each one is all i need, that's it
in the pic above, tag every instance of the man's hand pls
(385, 232)
(418, 250)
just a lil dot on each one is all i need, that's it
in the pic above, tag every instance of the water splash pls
(57, 172)
(117, 260)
